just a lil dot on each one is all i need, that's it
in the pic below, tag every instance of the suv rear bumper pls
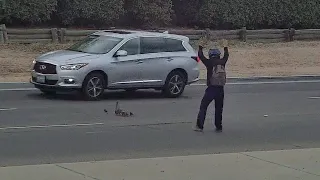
(193, 81)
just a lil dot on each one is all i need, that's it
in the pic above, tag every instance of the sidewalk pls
(283, 165)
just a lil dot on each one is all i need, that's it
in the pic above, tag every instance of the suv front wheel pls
(93, 86)
(175, 84)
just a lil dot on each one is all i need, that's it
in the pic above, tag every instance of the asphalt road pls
(35, 129)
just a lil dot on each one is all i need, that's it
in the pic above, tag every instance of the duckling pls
(120, 112)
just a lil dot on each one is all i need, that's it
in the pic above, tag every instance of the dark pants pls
(215, 93)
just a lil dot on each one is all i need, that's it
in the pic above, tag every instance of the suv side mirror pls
(121, 53)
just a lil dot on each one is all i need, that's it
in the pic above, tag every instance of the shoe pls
(197, 129)
(219, 129)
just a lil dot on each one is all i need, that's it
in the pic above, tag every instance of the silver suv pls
(119, 59)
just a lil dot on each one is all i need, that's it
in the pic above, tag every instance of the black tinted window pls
(173, 45)
(158, 44)
(152, 45)
(132, 46)
(96, 44)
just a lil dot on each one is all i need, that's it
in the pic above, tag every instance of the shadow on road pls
(108, 95)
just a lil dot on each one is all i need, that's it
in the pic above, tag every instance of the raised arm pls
(224, 60)
(204, 60)
(226, 54)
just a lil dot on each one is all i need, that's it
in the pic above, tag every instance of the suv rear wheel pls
(93, 86)
(175, 84)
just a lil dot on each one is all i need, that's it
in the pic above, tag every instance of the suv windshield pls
(96, 44)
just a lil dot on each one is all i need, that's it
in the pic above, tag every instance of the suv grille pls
(45, 68)
(48, 82)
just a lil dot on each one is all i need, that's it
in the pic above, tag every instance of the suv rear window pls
(152, 45)
(159, 44)
(173, 45)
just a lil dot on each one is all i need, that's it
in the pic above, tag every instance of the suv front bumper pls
(54, 81)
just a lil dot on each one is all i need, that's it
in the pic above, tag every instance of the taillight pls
(196, 58)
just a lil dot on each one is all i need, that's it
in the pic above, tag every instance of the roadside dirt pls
(246, 59)
(16, 59)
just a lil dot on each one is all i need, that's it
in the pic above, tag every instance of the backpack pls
(219, 77)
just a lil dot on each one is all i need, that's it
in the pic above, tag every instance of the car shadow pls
(108, 95)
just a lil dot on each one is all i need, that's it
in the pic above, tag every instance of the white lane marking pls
(200, 84)
(234, 78)
(14, 82)
(96, 132)
(50, 126)
(20, 89)
(292, 76)
(8, 109)
(313, 97)
(266, 82)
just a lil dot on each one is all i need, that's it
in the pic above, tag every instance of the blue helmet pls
(214, 53)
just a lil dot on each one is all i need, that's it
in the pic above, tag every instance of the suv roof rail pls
(118, 31)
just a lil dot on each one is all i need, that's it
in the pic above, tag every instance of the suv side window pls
(174, 45)
(152, 45)
(132, 46)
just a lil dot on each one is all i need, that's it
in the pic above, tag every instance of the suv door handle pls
(139, 62)
(169, 59)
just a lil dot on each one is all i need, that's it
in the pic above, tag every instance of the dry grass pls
(246, 59)
(16, 59)
(272, 59)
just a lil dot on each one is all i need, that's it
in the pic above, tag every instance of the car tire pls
(48, 92)
(93, 86)
(175, 84)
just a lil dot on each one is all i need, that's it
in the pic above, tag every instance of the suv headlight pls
(73, 66)
(33, 64)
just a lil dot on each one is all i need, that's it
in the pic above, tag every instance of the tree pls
(232, 14)
(98, 12)
(29, 11)
(2, 8)
(2, 4)
(186, 12)
(149, 13)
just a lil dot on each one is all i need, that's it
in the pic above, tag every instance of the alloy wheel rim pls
(95, 87)
(176, 84)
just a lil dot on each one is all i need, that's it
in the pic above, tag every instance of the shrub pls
(260, 13)
(90, 11)
(29, 11)
(149, 13)
(218, 14)
(186, 12)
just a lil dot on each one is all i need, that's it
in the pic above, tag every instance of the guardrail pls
(54, 35)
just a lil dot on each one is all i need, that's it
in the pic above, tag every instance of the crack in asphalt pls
(282, 165)
(76, 172)
(147, 125)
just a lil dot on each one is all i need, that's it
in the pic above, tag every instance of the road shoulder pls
(11, 86)
(284, 165)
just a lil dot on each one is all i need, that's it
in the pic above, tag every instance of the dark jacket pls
(212, 65)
